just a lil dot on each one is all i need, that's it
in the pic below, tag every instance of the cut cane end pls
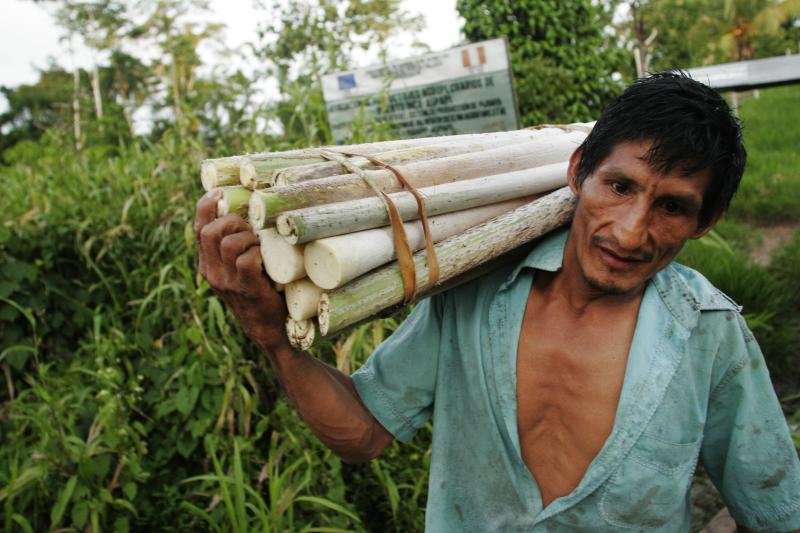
(286, 228)
(208, 175)
(282, 262)
(302, 299)
(247, 172)
(323, 314)
(222, 207)
(255, 212)
(322, 266)
(301, 333)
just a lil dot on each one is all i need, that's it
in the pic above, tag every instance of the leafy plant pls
(561, 58)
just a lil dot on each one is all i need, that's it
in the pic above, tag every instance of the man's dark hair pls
(692, 129)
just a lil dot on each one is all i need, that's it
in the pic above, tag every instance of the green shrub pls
(765, 302)
(119, 363)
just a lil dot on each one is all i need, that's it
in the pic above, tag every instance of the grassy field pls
(770, 190)
(129, 400)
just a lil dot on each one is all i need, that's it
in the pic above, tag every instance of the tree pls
(36, 108)
(561, 56)
(100, 24)
(310, 38)
(669, 22)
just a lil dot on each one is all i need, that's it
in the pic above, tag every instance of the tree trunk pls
(98, 99)
(76, 107)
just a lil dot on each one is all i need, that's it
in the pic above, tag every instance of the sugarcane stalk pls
(260, 173)
(383, 288)
(301, 333)
(449, 147)
(318, 222)
(266, 204)
(257, 170)
(235, 200)
(220, 172)
(282, 261)
(332, 262)
(302, 298)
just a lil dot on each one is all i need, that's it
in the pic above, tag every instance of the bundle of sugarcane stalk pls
(349, 232)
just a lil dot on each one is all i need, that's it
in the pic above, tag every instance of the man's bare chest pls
(569, 379)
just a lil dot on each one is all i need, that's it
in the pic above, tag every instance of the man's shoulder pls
(692, 287)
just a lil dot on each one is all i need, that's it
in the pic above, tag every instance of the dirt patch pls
(774, 236)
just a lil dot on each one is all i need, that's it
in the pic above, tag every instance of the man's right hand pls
(230, 259)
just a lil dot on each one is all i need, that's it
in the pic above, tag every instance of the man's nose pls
(631, 227)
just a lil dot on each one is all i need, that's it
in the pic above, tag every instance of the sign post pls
(467, 89)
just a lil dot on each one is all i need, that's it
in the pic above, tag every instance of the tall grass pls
(770, 190)
(118, 363)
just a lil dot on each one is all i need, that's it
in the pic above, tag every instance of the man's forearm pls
(327, 400)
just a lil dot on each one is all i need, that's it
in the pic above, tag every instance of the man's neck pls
(577, 292)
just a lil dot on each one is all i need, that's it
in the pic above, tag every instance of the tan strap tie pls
(405, 256)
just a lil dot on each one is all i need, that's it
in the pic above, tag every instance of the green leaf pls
(185, 400)
(21, 481)
(193, 334)
(96, 467)
(330, 505)
(80, 512)
(22, 522)
(186, 444)
(17, 271)
(17, 355)
(61, 503)
(6, 288)
(121, 525)
(130, 489)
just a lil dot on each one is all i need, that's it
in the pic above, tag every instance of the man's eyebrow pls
(689, 201)
(618, 174)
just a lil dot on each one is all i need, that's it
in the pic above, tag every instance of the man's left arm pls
(747, 449)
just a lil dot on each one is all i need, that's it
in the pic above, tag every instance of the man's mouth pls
(617, 259)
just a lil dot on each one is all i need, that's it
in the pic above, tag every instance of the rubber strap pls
(433, 260)
(405, 256)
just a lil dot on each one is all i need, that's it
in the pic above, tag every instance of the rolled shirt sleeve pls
(747, 448)
(397, 382)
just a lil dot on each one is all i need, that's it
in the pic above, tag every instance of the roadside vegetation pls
(129, 398)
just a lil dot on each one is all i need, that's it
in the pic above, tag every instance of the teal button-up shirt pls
(696, 386)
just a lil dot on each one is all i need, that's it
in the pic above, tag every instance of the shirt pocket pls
(649, 488)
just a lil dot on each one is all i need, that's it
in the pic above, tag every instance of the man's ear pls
(703, 231)
(572, 171)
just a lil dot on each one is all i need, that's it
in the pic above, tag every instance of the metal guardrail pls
(753, 74)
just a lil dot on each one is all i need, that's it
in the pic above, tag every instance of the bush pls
(763, 296)
(131, 401)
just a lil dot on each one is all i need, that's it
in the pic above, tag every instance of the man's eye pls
(619, 187)
(673, 208)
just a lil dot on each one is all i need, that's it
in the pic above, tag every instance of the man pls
(577, 389)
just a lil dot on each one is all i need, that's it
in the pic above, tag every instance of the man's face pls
(631, 221)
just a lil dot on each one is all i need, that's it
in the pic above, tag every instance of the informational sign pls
(466, 89)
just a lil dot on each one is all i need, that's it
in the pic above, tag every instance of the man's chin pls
(608, 288)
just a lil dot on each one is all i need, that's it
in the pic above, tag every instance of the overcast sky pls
(28, 36)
